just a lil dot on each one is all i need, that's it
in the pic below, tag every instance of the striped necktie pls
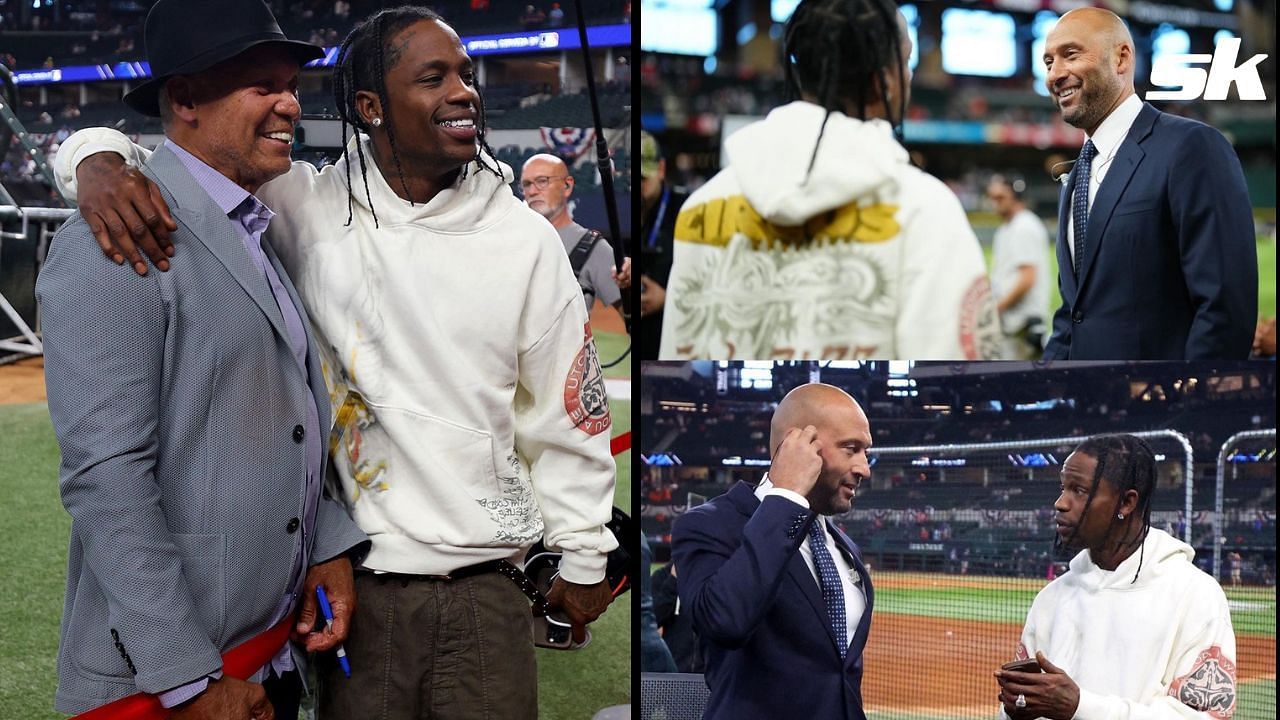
(1080, 202)
(829, 581)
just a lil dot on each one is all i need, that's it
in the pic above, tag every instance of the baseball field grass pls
(35, 528)
(949, 631)
(1266, 277)
(610, 346)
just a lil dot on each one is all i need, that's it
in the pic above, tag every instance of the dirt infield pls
(1256, 647)
(23, 381)
(958, 657)
(606, 319)
(920, 581)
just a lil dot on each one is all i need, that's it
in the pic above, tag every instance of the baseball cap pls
(650, 154)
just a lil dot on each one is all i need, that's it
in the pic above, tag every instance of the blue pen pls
(328, 621)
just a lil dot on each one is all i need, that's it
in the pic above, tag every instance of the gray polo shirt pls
(595, 278)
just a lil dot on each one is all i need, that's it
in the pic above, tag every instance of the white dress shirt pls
(855, 602)
(1107, 139)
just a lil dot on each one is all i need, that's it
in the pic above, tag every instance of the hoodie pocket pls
(418, 448)
(436, 481)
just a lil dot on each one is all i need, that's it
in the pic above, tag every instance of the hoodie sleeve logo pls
(979, 324)
(1210, 687)
(584, 396)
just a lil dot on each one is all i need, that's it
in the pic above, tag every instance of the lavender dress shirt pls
(251, 218)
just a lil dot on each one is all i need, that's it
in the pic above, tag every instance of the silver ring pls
(1021, 702)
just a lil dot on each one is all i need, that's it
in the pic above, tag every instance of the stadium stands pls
(961, 127)
(715, 437)
(72, 33)
(532, 91)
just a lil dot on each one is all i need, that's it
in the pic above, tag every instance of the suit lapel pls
(1065, 271)
(1127, 158)
(747, 502)
(192, 205)
(315, 375)
(803, 576)
(864, 623)
(808, 586)
(270, 254)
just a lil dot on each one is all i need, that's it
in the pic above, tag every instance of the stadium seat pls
(672, 696)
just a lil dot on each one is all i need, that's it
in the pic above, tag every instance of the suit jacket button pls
(298, 433)
(292, 527)
(1077, 317)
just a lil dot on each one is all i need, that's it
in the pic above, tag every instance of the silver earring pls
(376, 122)
(1120, 516)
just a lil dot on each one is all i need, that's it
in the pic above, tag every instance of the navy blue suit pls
(758, 611)
(1170, 270)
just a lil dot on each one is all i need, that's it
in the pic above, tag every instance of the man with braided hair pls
(820, 240)
(1134, 629)
(484, 433)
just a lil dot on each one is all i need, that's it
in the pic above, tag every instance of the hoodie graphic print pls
(863, 257)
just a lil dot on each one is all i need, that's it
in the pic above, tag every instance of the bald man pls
(1156, 249)
(779, 596)
(546, 184)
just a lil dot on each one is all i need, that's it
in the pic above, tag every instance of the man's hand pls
(125, 211)
(797, 464)
(582, 604)
(1264, 338)
(227, 699)
(340, 587)
(623, 279)
(1051, 694)
(1026, 280)
(652, 296)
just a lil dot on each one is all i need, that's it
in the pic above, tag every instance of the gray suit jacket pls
(177, 404)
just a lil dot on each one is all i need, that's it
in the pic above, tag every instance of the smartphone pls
(1028, 666)
(550, 631)
(553, 630)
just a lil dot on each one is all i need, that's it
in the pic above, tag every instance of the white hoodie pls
(461, 325)
(867, 258)
(1140, 650)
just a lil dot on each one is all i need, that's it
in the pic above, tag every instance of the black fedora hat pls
(184, 37)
